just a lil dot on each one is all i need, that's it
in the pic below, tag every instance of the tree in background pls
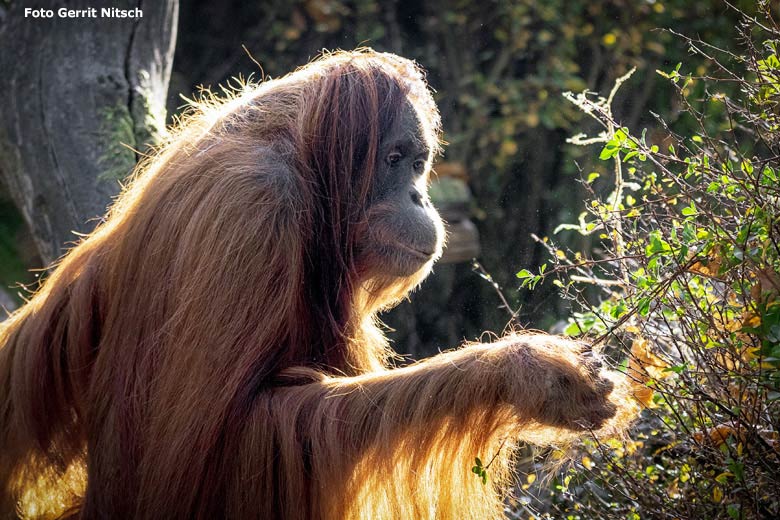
(82, 99)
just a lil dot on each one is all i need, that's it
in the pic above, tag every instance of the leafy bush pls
(685, 280)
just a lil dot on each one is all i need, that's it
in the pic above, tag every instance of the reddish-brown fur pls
(211, 350)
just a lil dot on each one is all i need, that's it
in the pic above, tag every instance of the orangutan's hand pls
(556, 383)
(577, 395)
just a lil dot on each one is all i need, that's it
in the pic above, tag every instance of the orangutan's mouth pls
(415, 252)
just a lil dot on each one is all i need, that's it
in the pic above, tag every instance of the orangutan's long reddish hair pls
(211, 351)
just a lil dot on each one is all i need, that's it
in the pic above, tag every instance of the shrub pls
(682, 291)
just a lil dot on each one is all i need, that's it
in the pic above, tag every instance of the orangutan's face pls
(405, 233)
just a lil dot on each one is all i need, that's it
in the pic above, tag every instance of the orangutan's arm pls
(526, 379)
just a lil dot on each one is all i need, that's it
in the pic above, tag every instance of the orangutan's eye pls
(393, 158)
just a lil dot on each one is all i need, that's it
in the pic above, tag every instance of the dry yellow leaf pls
(646, 363)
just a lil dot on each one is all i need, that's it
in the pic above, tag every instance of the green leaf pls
(677, 369)
(643, 307)
(769, 176)
(657, 244)
(723, 478)
(572, 329)
(690, 210)
(610, 150)
(746, 166)
(688, 233)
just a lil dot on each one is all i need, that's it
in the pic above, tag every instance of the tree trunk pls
(81, 97)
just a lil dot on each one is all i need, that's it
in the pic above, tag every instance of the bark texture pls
(81, 97)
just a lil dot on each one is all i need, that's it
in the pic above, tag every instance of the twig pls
(480, 270)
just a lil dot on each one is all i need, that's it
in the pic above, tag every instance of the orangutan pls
(211, 350)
